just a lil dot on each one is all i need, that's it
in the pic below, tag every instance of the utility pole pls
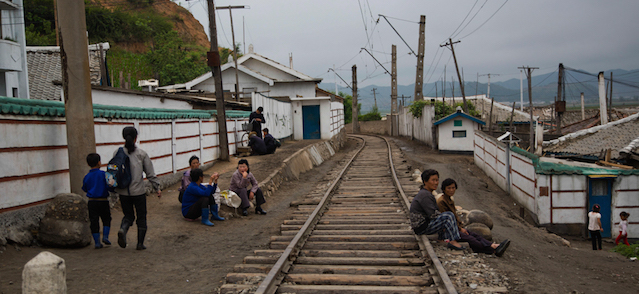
(419, 79)
(461, 81)
(521, 90)
(214, 63)
(355, 117)
(610, 104)
(583, 110)
(489, 75)
(558, 101)
(76, 84)
(394, 126)
(603, 112)
(444, 86)
(403, 99)
(237, 81)
(532, 132)
(375, 96)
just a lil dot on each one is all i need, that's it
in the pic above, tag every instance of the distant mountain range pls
(544, 89)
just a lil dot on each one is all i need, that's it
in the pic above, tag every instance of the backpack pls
(118, 174)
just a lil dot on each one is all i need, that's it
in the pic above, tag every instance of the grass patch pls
(627, 251)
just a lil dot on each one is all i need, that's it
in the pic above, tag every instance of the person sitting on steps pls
(199, 198)
(425, 219)
(476, 241)
(240, 181)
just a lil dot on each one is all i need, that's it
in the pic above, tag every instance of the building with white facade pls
(13, 61)
(455, 133)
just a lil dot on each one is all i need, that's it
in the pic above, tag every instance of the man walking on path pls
(257, 119)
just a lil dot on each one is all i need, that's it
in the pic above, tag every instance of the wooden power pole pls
(237, 81)
(76, 84)
(354, 110)
(558, 101)
(532, 128)
(419, 79)
(461, 81)
(214, 62)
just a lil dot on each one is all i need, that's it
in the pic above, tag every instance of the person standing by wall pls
(594, 226)
(257, 119)
(133, 197)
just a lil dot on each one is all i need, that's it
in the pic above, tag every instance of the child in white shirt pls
(594, 226)
(623, 228)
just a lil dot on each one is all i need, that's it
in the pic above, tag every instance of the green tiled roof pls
(551, 168)
(19, 106)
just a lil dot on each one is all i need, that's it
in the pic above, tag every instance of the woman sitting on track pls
(425, 219)
(476, 241)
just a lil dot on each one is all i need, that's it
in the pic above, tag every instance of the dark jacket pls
(257, 145)
(269, 141)
(257, 125)
(423, 209)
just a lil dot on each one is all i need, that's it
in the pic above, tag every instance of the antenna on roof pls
(290, 60)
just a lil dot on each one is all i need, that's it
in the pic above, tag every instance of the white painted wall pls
(136, 100)
(13, 55)
(35, 164)
(277, 114)
(420, 128)
(447, 142)
(337, 118)
(566, 202)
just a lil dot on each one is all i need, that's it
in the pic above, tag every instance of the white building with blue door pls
(455, 132)
(558, 192)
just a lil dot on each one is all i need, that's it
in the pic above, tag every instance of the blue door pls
(600, 192)
(311, 122)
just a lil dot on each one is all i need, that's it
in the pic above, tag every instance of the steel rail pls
(283, 264)
(423, 240)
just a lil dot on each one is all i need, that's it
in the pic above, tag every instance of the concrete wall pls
(277, 114)
(35, 164)
(419, 128)
(446, 141)
(136, 100)
(378, 127)
(13, 54)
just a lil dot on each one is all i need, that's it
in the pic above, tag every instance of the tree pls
(348, 107)
(172, 62)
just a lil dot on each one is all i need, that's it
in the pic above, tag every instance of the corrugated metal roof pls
(18, 106)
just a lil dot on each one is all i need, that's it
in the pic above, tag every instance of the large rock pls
(480, 229)
(66, 222)
(463, 216)
(478, 216)
(45, 273)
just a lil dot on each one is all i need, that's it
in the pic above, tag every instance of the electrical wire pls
(462, 22)
(482, 6)
(500, 7)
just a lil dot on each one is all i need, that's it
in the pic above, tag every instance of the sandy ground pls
(187, 257)
(536, 261)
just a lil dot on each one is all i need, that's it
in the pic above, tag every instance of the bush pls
(627, 251)
(372, 115)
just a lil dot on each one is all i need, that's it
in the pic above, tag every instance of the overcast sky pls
(497, 36)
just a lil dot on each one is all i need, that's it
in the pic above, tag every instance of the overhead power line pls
(500, 7)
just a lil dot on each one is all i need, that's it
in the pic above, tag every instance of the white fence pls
(419, 128)
(337, 118)
(34, 155)
(278, 115)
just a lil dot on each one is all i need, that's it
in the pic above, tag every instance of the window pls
(457, 123)
(459, 134)
(15, 92)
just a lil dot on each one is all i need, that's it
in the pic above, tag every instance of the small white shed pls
(455, 133)
(311, 118)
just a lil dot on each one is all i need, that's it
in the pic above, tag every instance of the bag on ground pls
(231, 199)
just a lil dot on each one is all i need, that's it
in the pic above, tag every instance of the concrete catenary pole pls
(610, 96)
(559, 99)
(603, 112)
(76, 84)
(394, 124)
(583, 110)
(521, 90)
(355, 119)
(419, 79)
(214, 63)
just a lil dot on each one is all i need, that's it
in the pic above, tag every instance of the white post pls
(583, 111)
(201, 139)
(603, 111)
(335, 79)
(521, 90)
(488, 87)
(45, 273)
(173, 146)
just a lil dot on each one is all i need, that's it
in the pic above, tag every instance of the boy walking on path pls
(95, 185)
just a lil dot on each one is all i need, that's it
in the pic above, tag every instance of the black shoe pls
(140, 247)
(124, 228)
(451, 246)
(259, 210)
(499, 251)
(244, 212)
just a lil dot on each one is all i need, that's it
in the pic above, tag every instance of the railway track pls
(355, 238)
